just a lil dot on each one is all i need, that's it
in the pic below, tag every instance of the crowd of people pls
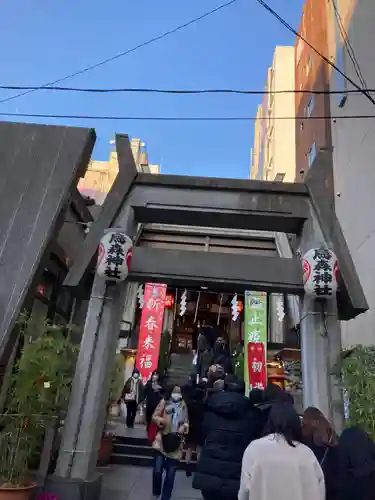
(249, 447)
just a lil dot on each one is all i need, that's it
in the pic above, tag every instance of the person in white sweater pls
(278, 466)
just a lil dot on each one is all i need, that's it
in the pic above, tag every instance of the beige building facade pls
(274, 152)
(101, 174)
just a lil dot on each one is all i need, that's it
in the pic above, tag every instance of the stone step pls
(178, 371)
(137, 452)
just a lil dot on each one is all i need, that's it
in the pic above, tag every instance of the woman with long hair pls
(356, 455)
(172, 420)
(279, 465)
(320, 437)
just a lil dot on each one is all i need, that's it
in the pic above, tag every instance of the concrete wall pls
(354, 170)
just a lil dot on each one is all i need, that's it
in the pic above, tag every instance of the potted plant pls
(116, 387)
(39, 392)
(356, 375)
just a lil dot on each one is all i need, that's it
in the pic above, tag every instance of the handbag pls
(130, 396)
(115, 410)
(123, 411)
(171, 442)
(140, 416)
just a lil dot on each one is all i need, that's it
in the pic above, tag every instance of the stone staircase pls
(180, 368)
(136, 451)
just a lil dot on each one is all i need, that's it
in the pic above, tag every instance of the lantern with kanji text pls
(114, 257)
(320, 273)
(169, 301)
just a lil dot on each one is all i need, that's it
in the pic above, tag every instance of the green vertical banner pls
(255, 340)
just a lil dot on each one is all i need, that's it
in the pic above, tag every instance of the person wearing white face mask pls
(132, 395)
(172, 420)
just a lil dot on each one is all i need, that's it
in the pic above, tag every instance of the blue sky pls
(43, 40)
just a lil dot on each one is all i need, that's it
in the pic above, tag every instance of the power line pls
(292, 30)
(124, 53)
(183, 118)
(178, 91)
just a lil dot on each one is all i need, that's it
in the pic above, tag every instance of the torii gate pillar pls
(76, 467)
(320, 340)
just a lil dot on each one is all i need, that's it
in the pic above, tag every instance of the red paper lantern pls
(169, 301)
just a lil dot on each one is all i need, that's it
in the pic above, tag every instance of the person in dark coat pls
(255, 397)
(228, 427)
(319, 435)
(132, 395)
(356, 456)
(204, 361)
(207, 336)
(222, 356)
(153, 394)
(193, 395)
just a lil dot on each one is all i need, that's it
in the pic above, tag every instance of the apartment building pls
(274, 152)
(101, 175)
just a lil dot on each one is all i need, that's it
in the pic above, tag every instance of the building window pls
(279, 177)
(311, 155)
(310, 107)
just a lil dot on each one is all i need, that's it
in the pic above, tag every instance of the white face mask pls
(136, 376)
(176, 397)
(154, 378)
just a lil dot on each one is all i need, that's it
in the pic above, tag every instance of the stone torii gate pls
(301, 210)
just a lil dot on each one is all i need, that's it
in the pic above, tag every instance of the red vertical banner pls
(150, 329)
(257, 365)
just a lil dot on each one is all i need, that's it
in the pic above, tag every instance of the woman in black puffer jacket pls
(229, 425)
